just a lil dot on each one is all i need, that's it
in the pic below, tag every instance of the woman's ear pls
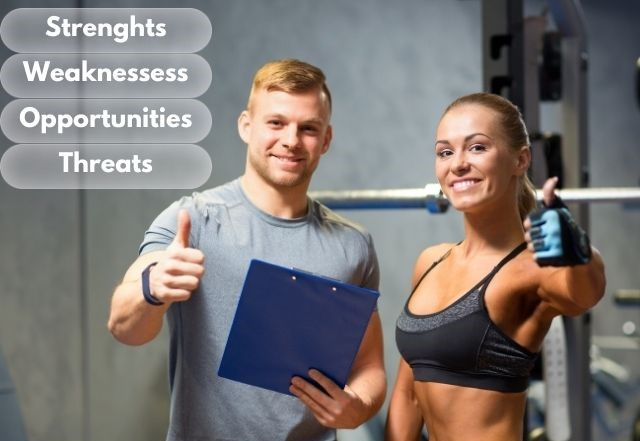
(523, 160)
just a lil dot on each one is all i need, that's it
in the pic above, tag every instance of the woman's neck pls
(488, 233)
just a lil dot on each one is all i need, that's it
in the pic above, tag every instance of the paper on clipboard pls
(288, 321)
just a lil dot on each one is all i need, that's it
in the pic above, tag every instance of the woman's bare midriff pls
(454, 413)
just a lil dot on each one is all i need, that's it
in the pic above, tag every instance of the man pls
(195, 255)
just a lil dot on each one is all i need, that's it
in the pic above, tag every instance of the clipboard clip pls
(299, 270)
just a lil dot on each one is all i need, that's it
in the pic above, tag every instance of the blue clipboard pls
(288, 321)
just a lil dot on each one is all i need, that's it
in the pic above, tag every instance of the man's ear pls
(523, 160)
(327, 139)
(244, 126)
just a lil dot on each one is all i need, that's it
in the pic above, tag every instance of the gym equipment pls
(431, 198)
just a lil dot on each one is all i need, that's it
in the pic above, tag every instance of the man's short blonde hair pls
(291, 76)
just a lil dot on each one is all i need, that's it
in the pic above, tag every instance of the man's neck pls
(282, 202)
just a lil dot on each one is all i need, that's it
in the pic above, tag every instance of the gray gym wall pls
(392, 69)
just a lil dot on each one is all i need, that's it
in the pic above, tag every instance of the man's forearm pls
(132, 321)
(371, 386)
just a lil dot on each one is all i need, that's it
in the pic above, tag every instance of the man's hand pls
(175, 276)
(337, 408)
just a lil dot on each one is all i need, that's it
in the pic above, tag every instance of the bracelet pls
(146, 291)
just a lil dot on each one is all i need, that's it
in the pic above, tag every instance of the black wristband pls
(146, 291)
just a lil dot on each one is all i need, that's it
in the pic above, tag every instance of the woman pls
(472, 327)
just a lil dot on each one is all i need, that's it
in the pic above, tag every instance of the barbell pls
(430, 197)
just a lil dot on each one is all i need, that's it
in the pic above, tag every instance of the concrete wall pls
(392, 69)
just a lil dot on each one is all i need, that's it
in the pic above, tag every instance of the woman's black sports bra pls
(460, 345)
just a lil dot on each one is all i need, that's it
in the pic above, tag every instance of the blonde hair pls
(515, 132)
(291, 76)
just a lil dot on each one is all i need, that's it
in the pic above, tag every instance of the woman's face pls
(474, 165)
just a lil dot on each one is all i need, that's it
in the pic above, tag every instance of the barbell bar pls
(431, 197)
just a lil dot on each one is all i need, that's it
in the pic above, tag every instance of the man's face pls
(286, 133)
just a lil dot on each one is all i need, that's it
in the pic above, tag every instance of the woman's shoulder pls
(430, 255)
(435, 252)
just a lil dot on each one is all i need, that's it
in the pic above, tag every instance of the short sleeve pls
(372, 269)
(163, 229)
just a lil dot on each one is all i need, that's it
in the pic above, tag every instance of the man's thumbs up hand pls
(178, 273)
(183, 230)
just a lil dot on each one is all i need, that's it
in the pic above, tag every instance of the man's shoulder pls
(202, 205)
(328, 216)
(224, 194)
(202, 202)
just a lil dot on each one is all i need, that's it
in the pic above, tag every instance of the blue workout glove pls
(557, 239)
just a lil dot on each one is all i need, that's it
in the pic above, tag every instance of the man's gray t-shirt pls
(231, 231)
